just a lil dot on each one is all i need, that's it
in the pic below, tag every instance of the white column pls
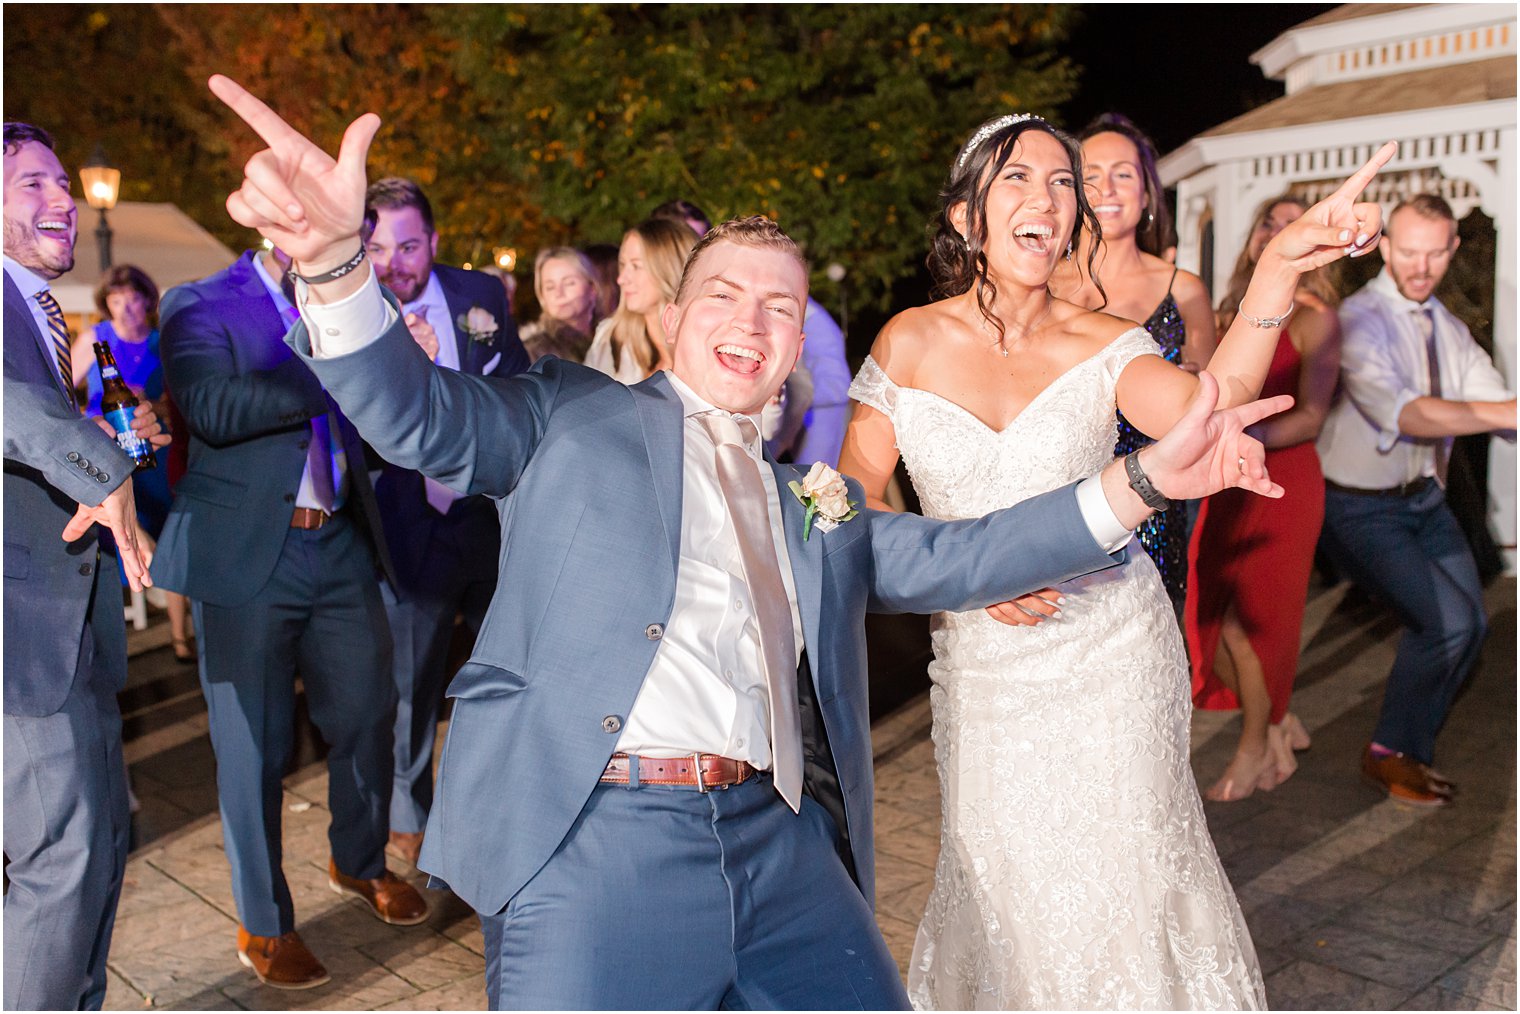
(1501, 459)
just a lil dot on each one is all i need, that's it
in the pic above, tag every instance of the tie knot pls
(725, 428)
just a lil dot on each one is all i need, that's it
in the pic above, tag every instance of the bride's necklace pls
(1001, 343)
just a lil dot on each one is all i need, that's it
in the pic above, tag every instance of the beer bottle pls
(117, 404)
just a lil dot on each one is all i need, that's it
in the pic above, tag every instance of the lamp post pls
(102, 186)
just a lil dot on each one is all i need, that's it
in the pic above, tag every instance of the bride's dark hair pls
(957, 263)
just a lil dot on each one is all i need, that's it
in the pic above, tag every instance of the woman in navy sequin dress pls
(1134, 281)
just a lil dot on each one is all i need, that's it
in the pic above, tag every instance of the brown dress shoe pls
(405, 845)
(392, 899)
(282, 962)
(1406, 779)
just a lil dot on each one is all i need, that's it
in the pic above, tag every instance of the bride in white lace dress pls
(1075, 867)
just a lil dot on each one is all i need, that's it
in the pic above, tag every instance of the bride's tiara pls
(987, 130)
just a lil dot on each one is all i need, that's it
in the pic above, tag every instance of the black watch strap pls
(1142, 485)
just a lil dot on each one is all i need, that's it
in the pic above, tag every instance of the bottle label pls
(121, 421)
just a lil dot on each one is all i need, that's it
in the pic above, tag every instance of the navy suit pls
(66, 820)
(595, 895)
(445, 564)
(271, 600)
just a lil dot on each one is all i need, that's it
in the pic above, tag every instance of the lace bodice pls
(1066, 433)
(1075, 867)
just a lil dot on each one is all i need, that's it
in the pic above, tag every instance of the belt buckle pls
(696, 767)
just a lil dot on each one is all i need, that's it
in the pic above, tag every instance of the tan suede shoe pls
(392, 899)
(282, 962)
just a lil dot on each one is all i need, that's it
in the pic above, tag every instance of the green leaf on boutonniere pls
(807, 521)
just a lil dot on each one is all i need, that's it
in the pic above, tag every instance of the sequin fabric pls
(1165, 535)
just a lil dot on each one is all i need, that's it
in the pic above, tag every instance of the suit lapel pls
(16, 304)
(807, 565)
(663, 418)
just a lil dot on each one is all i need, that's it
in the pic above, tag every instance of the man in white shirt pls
(443, 546)
(1412, 378)
(657, 785)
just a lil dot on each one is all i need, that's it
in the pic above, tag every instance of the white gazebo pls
(159, 238)
(1437, 78)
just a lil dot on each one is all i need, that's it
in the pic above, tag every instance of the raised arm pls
(1336, 227)
(870, 451)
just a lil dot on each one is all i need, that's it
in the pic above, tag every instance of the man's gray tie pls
(739, 478)
(59, 331)
(1426, 322)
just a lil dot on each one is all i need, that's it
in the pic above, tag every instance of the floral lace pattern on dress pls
(1075, 868)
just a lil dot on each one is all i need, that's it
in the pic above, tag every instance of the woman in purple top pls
(128, 300)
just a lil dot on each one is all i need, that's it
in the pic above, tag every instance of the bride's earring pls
(1068, 251)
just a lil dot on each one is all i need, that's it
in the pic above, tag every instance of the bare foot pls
(1247, 772)
(1279, 746)
(1298, 736)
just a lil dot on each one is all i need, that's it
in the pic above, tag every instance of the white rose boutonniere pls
(823, 492)
(479, 324)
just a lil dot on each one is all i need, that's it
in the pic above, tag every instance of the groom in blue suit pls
(656, 790)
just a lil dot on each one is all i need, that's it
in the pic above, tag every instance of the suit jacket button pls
(83, 462)
(304, 444)
(612, 723)
(72, 456)
(290, 498)
(86, 569)
(104, 477)
(92, 471)
(654, 631)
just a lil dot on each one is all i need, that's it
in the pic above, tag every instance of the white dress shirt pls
(433, 305)
(705, 691)
(306, 493)
(31, 286)
(1384, 367)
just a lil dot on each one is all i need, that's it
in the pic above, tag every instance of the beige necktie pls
(1426, 322)
(739, 478)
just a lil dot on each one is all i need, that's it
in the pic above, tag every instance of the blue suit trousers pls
(67, 831)
(319, 615)
(670, 898)
(1410, 552)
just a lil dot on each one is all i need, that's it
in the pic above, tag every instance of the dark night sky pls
(1176, 70)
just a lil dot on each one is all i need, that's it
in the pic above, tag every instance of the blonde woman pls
(565, 282)
(630, 345)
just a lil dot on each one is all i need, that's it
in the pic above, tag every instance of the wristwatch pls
(1142, 485)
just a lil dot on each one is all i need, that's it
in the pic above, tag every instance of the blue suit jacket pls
(588, 474)
(55, 459)
(399, 492)
(248, 403)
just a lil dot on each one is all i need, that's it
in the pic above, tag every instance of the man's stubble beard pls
(21, 246)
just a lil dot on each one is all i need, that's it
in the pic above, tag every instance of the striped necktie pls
(61, 341)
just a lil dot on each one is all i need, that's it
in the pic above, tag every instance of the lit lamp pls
(506, 257)
(102, 185)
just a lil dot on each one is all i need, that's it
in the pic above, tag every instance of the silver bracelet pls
(1268, 322)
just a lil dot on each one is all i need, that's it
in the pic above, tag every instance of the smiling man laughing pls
(656, 790)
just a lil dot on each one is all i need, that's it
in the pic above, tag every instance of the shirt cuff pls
(348, 325)
(1102, 522)
(1388, 435)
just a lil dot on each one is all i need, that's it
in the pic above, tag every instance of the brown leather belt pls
(1411, 488)
(309, 519)
(698, 771)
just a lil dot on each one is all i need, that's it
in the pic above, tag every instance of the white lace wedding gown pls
(1075, 869)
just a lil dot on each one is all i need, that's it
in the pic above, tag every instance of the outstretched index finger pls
(1358, 180)
(1254, 412)
(264, 121)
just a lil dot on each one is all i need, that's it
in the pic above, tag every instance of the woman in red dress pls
(1249, 562)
